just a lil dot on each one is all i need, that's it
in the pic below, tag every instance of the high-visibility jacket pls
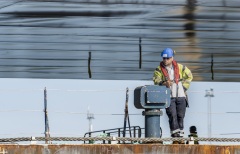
(185, 76)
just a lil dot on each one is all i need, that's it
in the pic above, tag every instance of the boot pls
(175, 135)
(181, 134)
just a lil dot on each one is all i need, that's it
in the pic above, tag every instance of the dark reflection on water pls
(52, 39)
(189, 16)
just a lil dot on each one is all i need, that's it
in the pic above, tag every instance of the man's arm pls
(187, 78)
(157, 77)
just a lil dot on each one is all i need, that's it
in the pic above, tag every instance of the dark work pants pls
(176, 113)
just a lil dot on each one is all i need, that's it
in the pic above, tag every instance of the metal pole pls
(140, 53)
(126, 116)
(209, 118)
(90, 116)
(209, 94)
(47, 133)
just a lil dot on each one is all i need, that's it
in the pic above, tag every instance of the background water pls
(118, 39)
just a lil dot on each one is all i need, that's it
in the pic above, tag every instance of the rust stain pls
(118, 149)
(227, 151)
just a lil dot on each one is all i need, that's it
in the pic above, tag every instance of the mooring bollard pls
(152, 98)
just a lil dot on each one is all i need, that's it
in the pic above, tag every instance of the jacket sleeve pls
(187, 78)
(157, 76)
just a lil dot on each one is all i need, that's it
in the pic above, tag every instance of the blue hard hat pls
(167, 53)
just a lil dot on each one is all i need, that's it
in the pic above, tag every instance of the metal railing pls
(133, 131)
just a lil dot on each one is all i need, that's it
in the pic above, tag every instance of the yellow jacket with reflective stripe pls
(185, 76)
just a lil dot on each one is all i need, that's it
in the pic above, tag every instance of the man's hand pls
(168, 83)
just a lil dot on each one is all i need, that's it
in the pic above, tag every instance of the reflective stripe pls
(175, 131)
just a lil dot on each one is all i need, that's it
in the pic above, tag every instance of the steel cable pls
(143, 140)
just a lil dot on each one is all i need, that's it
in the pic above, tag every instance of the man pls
(178, 78)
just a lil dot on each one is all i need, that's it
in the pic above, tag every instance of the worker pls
(177, 77)
(193, 133)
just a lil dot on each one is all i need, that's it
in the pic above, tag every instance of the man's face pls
(167, 61)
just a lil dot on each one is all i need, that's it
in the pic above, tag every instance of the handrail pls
(137, 131)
